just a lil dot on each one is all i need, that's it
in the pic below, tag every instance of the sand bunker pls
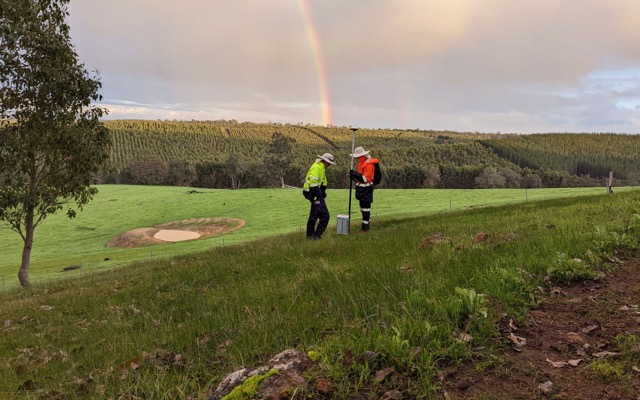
(172, 235)
(188, 229)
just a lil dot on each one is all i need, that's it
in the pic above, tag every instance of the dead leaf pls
(415, 351)
(604, 354)
(392, 395)
(557, 364)
(635, 368)
(481, 237)
(366, 356)
(574, 363)
(465, 337)
(380, 375)
(512, 326)
(517, 340)
(589, 328)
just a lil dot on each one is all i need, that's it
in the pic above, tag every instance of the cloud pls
(490, 65)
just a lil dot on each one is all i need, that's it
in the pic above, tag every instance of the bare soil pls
(551, 355)
(205, 227)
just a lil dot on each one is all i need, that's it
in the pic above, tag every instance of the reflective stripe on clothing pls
(365, 209)
(367, 168)
(316, 176)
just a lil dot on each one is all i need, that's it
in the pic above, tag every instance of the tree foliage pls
(51, 141)
(411, 158)
(279, 157)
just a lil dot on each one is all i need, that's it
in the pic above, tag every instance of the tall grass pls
(60, 242)
(173, 327)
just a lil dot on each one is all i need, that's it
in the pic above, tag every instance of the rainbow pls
(316, 49)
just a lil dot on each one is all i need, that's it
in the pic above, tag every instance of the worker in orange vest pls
(364, 180)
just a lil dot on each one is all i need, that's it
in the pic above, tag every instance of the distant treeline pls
(228, 154)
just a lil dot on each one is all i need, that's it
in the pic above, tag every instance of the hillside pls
(578, 154)
(395, 312)
(228, 154)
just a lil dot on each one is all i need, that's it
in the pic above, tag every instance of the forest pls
(231, 154)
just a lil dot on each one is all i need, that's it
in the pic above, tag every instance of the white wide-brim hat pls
(327, 157)
(359, 152)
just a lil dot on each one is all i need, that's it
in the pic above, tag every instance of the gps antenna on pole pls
(346, 219)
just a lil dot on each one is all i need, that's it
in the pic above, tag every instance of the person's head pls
(360, 152)
(327, 159)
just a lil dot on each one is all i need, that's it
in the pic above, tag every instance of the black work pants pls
(365, 209)
(318, 219)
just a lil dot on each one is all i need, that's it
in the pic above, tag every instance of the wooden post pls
(610, 182)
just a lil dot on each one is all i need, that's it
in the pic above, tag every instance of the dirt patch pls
(203, 227)
(553, 354)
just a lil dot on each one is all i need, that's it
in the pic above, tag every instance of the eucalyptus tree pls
(52, 142)
(279, 157)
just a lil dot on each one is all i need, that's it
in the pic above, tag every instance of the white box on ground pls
(343, 224)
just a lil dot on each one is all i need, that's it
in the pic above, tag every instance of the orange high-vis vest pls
(367, 168)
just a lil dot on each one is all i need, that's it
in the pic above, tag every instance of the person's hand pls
(355, 175)
(317, 202)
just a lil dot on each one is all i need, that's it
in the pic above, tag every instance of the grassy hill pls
(419, 293)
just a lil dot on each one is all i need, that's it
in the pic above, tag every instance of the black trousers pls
(365, 209)
(318, 219)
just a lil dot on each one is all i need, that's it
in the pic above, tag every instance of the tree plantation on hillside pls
(228, 154)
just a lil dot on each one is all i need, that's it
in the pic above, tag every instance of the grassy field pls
(60, 242)
(408, 291)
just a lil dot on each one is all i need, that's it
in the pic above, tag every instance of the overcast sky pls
(518, 66)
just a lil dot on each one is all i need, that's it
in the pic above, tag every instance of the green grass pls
(172, 327)
(60, 242)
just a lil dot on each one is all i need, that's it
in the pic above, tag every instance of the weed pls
(606, 370)
(565, 269)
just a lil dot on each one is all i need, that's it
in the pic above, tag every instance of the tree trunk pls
(282, 182)
(23, 274)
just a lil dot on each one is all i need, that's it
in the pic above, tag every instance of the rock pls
(278, 379)
(546, 388)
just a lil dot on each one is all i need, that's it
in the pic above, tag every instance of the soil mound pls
(187, 229)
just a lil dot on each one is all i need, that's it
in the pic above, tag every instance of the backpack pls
(377, 174)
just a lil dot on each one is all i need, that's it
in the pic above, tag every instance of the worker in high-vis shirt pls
(315, 190)
(364, 180)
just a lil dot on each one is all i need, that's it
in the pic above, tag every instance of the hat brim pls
(356, 155)
(324, 159)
